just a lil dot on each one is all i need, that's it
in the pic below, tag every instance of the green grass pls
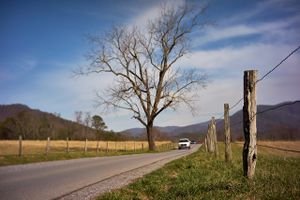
(33, 158)
(201, 176)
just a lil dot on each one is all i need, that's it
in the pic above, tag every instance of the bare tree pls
(87, 123)
(142, 60)
(87, 119)
(78, 117)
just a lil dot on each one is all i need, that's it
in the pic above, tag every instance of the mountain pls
(18, 119)
(11, 110)
(278, 124)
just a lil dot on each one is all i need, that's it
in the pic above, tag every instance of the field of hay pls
(278, 148)
(11, 147)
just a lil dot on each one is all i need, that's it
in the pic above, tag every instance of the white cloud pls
(269, 31)
(152, 13)
(263, 7)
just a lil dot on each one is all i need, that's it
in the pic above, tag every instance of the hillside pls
(18, 119)
(279, 124)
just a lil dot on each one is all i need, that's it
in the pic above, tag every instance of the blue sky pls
(43, 41)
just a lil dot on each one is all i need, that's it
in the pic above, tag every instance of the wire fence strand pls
(283, 60)
(269, 72)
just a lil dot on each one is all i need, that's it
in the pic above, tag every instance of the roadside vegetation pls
(202, 176)
(34, 151)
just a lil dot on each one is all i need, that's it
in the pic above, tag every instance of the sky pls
(42, 42)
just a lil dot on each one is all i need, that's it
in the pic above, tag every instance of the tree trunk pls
(249, 124)
(150, 136)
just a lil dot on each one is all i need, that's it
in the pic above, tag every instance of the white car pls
(184, 143)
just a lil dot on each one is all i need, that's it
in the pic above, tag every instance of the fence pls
(248, 121)
(29, 147)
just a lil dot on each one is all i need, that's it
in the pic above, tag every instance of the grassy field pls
(201, 176)
(34, 151)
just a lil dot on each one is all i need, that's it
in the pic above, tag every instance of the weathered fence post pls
(68, 150)
(205, 143)
(209, 139)
(125, 146)
(134, 145)
(249, 123)
(106, 146)
(20, 146)
(215, 139)
(97, 150)
(48, 146)
(212, 143)
(228, 153)
(85, 146)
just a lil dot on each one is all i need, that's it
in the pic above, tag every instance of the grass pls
(34, 151)
(201, 176)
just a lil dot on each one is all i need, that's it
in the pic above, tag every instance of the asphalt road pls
(50, 180)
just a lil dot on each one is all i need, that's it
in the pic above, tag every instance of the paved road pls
(50, 180)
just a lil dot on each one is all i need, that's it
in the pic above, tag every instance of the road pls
(50, 180)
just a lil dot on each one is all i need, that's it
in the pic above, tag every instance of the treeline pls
(38, 125)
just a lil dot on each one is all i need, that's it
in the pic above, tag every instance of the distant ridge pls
(280, 124)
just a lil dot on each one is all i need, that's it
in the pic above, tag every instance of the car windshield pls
(183, 140)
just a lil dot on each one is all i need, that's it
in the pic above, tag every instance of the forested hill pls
(18, 119)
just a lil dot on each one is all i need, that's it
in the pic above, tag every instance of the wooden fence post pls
(208, 136)
(142, 146)
(205, 143)
(134, 145)
(48, 146)
(97, 150)
(211, 137)
(68, 150)
(249, 123)
(106, 146)
(20, 146)
(85, 146)
(125, 146)
(228, 152)
(215, 139)
(115, 145)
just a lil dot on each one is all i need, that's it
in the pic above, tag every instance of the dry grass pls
(287, 148)
(287, 145)
(290, 145)
(10, 147)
